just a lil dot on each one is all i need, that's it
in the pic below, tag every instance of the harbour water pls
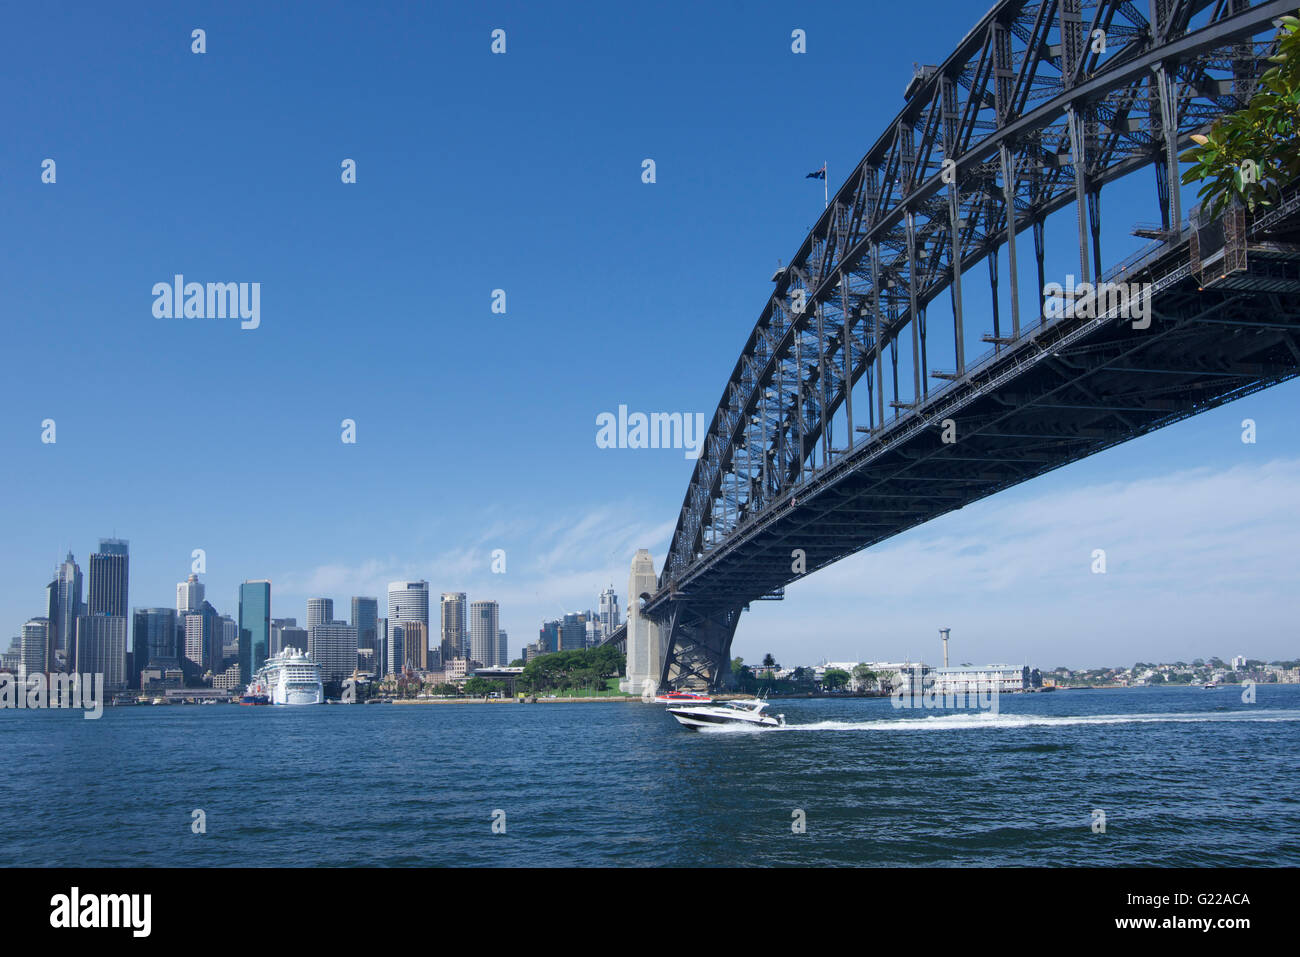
(1186, 777)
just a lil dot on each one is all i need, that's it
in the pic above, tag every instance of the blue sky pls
(476, 431)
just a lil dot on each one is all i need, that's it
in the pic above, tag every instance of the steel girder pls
(1030, 117)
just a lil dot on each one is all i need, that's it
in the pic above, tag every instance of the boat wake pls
(971, 721)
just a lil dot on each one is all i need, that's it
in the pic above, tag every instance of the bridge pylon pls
(645, 644)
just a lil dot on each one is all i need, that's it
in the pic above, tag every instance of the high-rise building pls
(573, 633)
(69, 606)
(483, 632)
(285, 633)
(415, 644)
(408, 601)
(333, 646)
(101, 647)
(229, 639)
(452, 643)
(153, 641)
(109, 579)
(254, 627)
(394, 653)
(548, 639)
(320, 611)
(203, 639)
(503, 651)
(189, 596)
(608, 610)
(365, 613)
(35, 645)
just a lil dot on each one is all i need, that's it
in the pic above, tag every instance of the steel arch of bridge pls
(1026, 117)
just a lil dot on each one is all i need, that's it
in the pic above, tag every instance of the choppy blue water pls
(1185, 777)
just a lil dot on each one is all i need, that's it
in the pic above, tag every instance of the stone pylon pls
(645, 647)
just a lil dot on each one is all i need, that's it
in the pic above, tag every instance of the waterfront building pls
(109, 579)
(101, 648)
(333, 646)
(69, 602)
(457, 669)
(452, 636)
(970, 679)
(189, 596)
(483, 632)
(365, 614)
(254, 627)
(319, 612)
(395, 654)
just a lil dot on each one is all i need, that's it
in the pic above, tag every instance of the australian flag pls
(817, 174)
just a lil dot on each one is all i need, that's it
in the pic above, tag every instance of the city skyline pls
(321, 516)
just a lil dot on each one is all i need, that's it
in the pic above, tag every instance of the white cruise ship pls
(288, 678)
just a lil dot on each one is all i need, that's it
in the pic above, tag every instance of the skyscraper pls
(101, 647)
(408, 601)
(203, 637)
(573, 633)
(608, 611)
(365, 613)
(483, 632)
(189, 596)
(109, 577)
(320, 611)
(35, 646)
(333, 646)
(69, 602)
(254, 627)
(153, 640)
(452, 643)
(415, 644)
(503, 651)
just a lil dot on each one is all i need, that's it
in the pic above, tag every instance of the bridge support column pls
(698, 640)
(645, 646)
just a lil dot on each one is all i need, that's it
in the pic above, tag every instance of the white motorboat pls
(742, 711)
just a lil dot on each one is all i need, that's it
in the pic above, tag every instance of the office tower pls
(483, 631)
(415, 644)
(408, 601)
(229, 639)
(109, 575)
(34, 645)
(320, 611)
(365, 612)
(396, 654)
(101, 647)
(548, 639)
(573, 633)
(69, 607)
(285, 633)
(203, 639)
(153, 641)
(452, 643)
(608, 610)
(254, 627)
(503, 652)
(333, 646)
(53, 627)
(381, 648)
(189, 596)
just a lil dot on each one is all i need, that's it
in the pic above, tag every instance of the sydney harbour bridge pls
(837, 427)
